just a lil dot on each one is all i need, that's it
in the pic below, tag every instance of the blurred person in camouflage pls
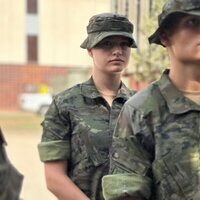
(10, 178)
(78, 127)
(155, 152)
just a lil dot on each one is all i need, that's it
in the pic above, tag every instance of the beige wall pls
(63, 28)
(12, 31)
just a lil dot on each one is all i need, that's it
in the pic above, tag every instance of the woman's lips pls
(116, 60)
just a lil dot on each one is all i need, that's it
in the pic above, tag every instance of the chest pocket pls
(174, 178)
(97, 146)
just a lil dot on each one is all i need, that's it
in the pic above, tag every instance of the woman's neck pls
(107, 86)
(107, 83)
(186, 78)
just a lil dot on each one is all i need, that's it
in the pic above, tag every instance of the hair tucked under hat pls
(107, 24)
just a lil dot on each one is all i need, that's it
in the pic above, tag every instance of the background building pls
(40, 42)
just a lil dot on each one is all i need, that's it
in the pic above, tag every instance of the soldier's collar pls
(176, 101)
(89, 90)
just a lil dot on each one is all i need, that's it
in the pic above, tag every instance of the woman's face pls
(111, 55)
(183, 41)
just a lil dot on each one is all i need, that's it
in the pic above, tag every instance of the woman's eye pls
(194, 22)
(107, 44)
(125, 44)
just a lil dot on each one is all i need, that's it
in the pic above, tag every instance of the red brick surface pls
(14, 78)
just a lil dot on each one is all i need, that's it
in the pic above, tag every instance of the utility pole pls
(127, 8)
(150, 7)
(115, 6)
(138, 6)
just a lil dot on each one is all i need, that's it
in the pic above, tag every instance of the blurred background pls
(40, 55)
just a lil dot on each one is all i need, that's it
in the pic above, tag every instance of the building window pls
(32, 6)
(32, 49)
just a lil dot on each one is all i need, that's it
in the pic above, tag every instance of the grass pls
(20, 122)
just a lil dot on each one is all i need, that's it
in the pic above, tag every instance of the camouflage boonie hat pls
(171, 8)
(107, 24)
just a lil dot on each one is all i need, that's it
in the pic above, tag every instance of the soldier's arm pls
(54, 151)
(59, 183)
(130, 162)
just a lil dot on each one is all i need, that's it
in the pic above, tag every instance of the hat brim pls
(94, 38)
(155, 37)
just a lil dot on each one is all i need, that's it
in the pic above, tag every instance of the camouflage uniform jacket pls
(156, 147)
(78, 127)
(10, 179)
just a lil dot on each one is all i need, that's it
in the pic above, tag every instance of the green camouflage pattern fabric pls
(107, 24)
(10, 178)
(180, 6)
(155, 152)
(78, 127)
(171, 7)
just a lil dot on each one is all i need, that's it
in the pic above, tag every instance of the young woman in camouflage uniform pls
(78, 126)
(156, 147)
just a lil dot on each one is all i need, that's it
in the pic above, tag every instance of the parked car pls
(35, 102)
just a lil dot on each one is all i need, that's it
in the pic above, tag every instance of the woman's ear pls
(164, 38)
(90, 52)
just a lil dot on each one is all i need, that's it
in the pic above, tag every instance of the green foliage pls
(150, 60)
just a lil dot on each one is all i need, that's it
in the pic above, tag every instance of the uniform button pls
(116, 155)
(175, 197)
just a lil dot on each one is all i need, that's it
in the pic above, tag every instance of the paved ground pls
(22, 151)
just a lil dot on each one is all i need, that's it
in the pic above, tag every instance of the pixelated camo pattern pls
(83, 118)
(178, 6)
(10, 178)
(156, 151)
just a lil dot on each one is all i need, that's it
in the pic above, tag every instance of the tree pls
(150, 60)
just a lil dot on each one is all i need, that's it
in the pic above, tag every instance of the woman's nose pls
(117, 50)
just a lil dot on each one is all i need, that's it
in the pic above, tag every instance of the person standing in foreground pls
(156, 153)
(78, 127)
(10, 179)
